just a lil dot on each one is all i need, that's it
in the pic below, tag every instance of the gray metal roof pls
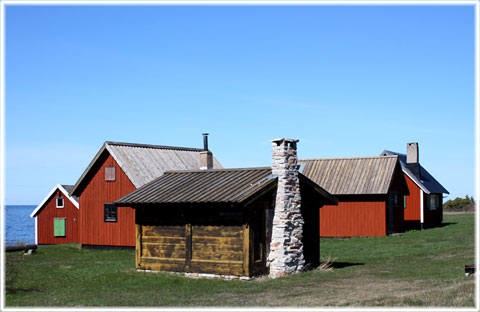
(426, 181)
(235, 186)
(142, 163)
(351, 176)
(202, 186)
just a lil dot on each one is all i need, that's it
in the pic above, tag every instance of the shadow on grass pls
(14, 290)
(329, 265)
(341, 265)
(434, 226)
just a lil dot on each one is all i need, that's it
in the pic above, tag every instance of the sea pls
(19, 227)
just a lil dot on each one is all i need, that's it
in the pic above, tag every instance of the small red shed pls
(117, 170)
(424, 206)
(370, 192)
(56, 218)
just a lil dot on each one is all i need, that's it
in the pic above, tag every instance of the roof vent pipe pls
(205, 141)
(206, 157)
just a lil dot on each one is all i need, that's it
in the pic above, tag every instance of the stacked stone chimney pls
(286, 247)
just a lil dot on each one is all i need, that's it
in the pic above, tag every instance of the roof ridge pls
(219, 170)
(396, 153)
(192, 149)
(365, 157)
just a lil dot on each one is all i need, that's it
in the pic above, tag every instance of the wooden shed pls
(56, 217)
(423, 207)
(116, 170)
(215, 221)
(370, 192)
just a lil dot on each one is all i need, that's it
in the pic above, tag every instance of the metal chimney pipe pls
(205, 141)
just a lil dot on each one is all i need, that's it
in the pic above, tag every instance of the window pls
(59, 202)
(110, 213)
(110, 173)
(433, 202)
(58, 227)
(395, 198)
(404, 201)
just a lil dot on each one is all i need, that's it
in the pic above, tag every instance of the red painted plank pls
(353, 217)
(93, 229)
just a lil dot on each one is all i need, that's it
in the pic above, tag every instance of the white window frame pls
(63, 201)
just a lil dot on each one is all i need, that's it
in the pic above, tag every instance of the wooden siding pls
(398, 185)
(412, 209)
(50, 212)
(163, 247)
(97, 192)
(218, 250)
(354, 217)
(412, 213)
(432, 217)
(191, 248)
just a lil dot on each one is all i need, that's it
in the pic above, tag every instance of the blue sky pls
(346, 80)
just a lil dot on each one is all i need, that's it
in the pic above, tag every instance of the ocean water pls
(19, 227)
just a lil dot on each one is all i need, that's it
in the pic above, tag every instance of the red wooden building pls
(370, 192)
(56, 218)
(424, 206)
(116, 170)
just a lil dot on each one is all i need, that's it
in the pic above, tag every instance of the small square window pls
(110, 213)
(110, 173)
(60, 202)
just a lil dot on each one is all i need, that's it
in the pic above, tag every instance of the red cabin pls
(117, 170)
(370, 192)
(56, 218)
(424, 205)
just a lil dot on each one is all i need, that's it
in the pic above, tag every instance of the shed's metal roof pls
(142, 162)
(202, 186)
(351, 176)
(426, 181)
(235, 186)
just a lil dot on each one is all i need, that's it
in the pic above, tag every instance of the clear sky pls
(346, 80)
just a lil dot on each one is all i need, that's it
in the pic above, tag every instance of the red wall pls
(93, 229)
(354, 216)
(49, 212)
(412, 210)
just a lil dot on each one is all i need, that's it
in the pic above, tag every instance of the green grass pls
(418, 268)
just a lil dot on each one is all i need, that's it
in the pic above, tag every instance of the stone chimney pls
(286, 247)
(412, 158)
(206, 157)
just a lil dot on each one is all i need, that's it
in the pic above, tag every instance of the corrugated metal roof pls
(202, 186)
(351, 176)
(426, 181)
(142, 163)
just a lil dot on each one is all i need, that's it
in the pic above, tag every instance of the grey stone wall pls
(286, 247)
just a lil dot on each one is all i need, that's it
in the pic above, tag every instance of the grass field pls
(418, 268)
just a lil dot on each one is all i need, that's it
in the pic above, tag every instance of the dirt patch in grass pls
(353, 292)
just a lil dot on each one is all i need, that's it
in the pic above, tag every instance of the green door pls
(59, 227)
